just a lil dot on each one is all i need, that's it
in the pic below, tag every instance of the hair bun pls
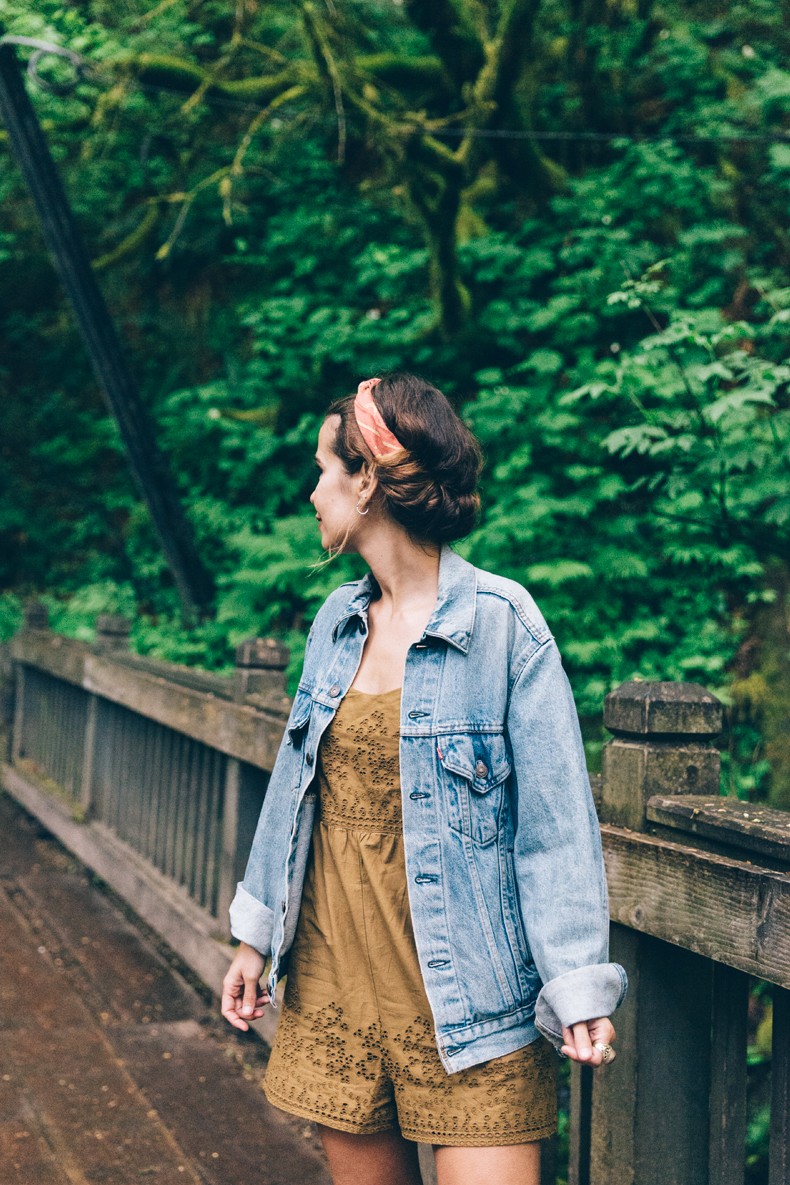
(429, 487)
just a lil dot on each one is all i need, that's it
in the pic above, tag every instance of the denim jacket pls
(505, 875)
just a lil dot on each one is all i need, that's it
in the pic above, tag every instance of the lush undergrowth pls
(618, 342)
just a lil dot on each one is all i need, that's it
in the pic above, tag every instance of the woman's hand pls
(243, 998)
(581, 1039)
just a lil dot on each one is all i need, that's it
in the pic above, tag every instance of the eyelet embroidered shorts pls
(355, 1047)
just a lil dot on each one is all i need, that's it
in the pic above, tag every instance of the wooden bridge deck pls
(153, 775)
(112, 1067)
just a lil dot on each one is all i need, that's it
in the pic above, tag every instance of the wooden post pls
(7, 701)
(36, 618)
(663, 734)
(112, 637)
(779, 1165)
(260, 671)
(729, 1023)
(580, 1105)
(17, 728)
(112, 633)
(260, 668)
(650, 1109)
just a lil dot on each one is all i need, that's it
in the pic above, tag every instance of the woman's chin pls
(328, 542)
(336, 546)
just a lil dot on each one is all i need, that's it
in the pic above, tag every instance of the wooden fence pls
(154, 774)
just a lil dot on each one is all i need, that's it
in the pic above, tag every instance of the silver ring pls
(607, 1052)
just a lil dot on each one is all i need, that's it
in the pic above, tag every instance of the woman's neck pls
(406, 572)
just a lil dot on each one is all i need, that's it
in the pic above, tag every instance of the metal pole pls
(146, 461)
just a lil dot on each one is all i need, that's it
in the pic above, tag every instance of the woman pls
(427, 857)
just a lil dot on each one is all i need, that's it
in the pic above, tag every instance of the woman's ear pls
(368, 482)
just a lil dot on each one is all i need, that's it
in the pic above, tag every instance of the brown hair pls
(430, 486)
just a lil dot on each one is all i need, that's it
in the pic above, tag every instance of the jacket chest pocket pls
(299, 736)
(474, 770)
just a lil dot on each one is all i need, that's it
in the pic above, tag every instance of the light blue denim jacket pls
(503, 853)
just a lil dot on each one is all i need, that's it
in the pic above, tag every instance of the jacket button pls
(309, 757)
(334, 691)
(481, 769)
(283, 907)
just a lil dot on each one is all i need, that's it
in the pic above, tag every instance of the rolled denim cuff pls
(251, 921)
(582, 994)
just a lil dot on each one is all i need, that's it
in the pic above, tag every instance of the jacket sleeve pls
(251, 918)
(557, 850)
(251, 921)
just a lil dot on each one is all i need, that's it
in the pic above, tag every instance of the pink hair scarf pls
(376, 434)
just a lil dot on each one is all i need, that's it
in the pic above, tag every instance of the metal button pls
(481, 770)
(334, 691)
(418, 794)
(309, 757)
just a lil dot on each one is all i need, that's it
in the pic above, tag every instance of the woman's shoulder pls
(500, 596)
(339, 601)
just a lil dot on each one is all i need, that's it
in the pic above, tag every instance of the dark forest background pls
(571, 215)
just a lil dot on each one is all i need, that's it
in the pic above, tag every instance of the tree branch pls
(494, 92)
(438, 203)
(513, 42)
(327, 69)
(132, 241)
(237, 167)
(398, 68)
(451, 36)
(179, 74)
(420, 143)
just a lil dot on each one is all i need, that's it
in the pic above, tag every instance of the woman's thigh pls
(515, 1164)
(384, 1158)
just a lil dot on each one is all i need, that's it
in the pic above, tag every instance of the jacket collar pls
(453, 617)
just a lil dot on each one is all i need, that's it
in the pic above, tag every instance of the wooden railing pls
(699, 891)
(154, 774)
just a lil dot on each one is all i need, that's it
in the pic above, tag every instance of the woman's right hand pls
(243, 998)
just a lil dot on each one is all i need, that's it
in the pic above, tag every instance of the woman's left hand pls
(581, 1039)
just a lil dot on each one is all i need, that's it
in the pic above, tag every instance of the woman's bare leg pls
(517, 1164)
(385, 1158)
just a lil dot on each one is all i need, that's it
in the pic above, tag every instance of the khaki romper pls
(355, 1047)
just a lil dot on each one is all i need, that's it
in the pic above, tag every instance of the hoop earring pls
(365, 511)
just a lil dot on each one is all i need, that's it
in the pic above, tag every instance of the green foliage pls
(76, 615)
(10, 615)
(710, 426)
(636, 430)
